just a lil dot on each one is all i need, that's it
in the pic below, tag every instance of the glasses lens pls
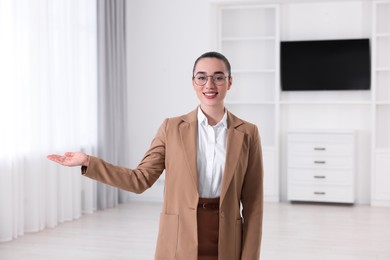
(200, 79)
(219, 79)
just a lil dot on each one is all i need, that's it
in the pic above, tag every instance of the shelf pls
(251, 55)
(381, 69)
(238, 22)
(357, 103)
(250, 103)
(235, 7)
(260, 38)
(382, 35)
(325, 102)
(254, 71)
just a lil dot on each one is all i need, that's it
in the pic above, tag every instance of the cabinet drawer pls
(320, 162)
(318, 148)
(321, 137)
(317, 176)
(343, 194)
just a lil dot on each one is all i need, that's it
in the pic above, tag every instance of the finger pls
(56, 158)
(69, 154)
(52, 156)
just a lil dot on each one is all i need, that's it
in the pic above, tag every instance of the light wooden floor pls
(291, 232)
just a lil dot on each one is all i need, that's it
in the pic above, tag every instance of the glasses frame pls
(213, 79)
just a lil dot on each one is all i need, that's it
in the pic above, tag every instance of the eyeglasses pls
(201, 79)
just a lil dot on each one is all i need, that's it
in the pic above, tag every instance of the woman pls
(213, 196)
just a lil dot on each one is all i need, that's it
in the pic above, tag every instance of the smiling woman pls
(48, 67)
(213, 195)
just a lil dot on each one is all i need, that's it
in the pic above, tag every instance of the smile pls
(210, 94)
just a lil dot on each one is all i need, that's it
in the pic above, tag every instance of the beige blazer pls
(174, 150)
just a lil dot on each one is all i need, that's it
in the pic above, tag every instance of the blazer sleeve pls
(135, 180)
(252, 201)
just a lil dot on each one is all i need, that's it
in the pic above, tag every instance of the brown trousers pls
(208, 228)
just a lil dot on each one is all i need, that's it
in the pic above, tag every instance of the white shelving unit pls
(254, 54)
(380, 182)
(249, 35)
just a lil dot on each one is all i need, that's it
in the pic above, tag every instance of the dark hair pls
(213, 54)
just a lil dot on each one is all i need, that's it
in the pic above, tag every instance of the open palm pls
(70, 159)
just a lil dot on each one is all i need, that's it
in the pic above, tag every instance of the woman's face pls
(212, 94)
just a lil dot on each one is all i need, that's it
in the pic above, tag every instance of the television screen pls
(325, 65)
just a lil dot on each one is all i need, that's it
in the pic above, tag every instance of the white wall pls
(165, 37)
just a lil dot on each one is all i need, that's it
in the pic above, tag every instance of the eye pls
(201, 77)
(220, 77)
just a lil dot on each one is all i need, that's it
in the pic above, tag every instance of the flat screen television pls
(325, 65)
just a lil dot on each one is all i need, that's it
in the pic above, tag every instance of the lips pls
(210, 95)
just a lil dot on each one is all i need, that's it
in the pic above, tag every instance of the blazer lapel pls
(188, 131)
(234, 144)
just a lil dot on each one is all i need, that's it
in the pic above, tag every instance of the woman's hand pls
(70, 159)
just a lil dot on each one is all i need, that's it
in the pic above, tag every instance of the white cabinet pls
(248, 35)
(380, 182)
(321, 166)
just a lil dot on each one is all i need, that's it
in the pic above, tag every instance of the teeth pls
(210, 94)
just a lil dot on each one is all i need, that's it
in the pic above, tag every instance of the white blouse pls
(211, 155)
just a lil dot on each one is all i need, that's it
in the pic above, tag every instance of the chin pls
(212, 104)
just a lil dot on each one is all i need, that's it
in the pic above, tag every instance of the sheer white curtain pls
(48, 104)
(112, 94)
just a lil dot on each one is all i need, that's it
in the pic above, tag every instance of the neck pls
(213, 114)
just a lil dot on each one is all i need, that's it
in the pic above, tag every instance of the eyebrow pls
(216, 72)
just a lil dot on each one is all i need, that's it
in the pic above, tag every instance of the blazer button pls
(222, 214)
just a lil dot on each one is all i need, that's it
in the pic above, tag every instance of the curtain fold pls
(48, 104)
(112, 94)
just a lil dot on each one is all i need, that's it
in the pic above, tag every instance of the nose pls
(210, 82)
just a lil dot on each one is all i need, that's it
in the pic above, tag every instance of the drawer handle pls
(319, 177)
(319, 148)
(319, 193)
(319, 162)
